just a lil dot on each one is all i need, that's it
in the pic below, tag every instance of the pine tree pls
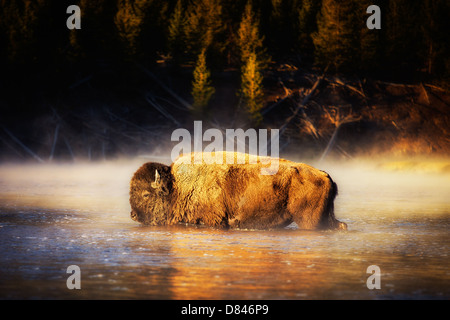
(434, 28)
(402, 36)
(203, 26)
(202, 91)
(251, 88)
(129, 20)
(334, 40)
(370, 54)
(282, 30)
(176, 40)
(253, 59)
(249, 40)
(276, 33)
(20, 20)
(95, 39)
(307, 23)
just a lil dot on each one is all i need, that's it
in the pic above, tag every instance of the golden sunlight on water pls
(53, 216)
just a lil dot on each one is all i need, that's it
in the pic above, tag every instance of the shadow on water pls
(52, 217)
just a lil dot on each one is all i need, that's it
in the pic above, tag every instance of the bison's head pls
(150, 194)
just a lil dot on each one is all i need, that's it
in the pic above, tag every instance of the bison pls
(233, 195)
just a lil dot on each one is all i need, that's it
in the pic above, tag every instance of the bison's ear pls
(157, 182)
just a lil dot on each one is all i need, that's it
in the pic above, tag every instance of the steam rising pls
(99, 186)
(104, 186)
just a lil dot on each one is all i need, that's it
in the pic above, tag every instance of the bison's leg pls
(267, 212)
(260, 221)
(315, 212)
(306, 218)
(311, 199)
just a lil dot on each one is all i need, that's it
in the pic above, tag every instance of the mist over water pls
(56, 215)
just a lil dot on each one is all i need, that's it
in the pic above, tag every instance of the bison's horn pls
(157, 182)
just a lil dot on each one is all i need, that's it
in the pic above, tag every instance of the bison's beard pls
(158, 211)
(154, 211)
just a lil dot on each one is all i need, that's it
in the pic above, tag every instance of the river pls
(53, 216)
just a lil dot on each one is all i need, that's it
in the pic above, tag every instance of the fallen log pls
(301, 105)
(126, 122)
(277, 134)
(288, 94)
(28, 150)
(170, 91)
(345, 85)
(55, 139)
(338, 120)
(11, 147)
(69, 148)
(425, 94)
(435, 87)
(162, 110)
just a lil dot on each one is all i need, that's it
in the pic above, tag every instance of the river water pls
(55, 216)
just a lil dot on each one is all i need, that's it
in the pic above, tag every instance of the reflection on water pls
(55, 216)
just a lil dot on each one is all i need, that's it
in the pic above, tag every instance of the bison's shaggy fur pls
(233, 195)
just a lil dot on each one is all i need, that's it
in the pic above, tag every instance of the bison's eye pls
(165, 190)
(145, 194)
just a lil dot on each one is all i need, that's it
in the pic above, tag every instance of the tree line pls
(246, 34)
(414, 33)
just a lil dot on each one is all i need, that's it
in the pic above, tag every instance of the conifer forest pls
(136, 70)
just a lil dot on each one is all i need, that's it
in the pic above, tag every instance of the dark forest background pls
(138, 69)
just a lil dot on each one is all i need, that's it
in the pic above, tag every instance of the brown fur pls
(233, 195)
